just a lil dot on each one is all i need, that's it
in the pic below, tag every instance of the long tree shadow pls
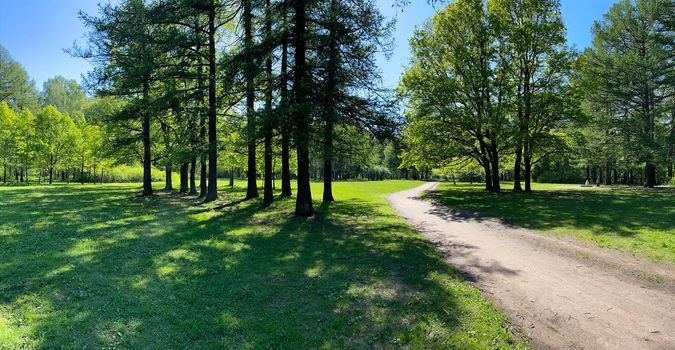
(98, 268)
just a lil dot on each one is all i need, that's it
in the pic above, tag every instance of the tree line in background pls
(493, 86)
(202, 85)
(266, 89)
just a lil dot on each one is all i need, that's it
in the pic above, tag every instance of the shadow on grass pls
(96, 266)
(619, 211)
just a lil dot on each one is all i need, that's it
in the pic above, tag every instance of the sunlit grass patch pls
(98, 267)
(636, 220)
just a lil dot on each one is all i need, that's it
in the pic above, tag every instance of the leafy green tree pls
(120, 47)
(24, 136)
(629, 74)
(64, 94)
(392, 158)
(56, 138)
(352, 33)
(16, 87)
(88, 147)
(540, 64)
(8, 120)
(457, 88)
(301, 108)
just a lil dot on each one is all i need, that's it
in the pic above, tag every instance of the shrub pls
(127, 173)
(378, 172)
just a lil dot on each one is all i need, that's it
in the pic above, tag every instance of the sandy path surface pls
(561, 293)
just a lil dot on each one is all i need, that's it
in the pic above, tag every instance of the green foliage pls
(56, 136)
(64, 94)
(627, 82)
(457, 90)
(16, 87)
(130, 173)
(378, 172)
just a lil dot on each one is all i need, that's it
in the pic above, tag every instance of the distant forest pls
(290, 90)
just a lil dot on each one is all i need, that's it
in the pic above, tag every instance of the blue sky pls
(36, 31)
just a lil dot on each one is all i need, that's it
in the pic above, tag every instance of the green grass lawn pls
(96, 267)
(636, 220)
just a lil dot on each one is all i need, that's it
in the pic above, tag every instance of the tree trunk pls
(184, 178)
(193, 174)
(147, 165)
(51, 174)
(202, 176)
(528, 173)
(285, 164)
(212, 191)
(650, 175)
(202, 131)
(495, 167)
(329, 101)
(303, 203)
(517, 187)
(488, 174)
(285, 130)
(167, 145)
(252, 185)
(268, 190)
(232, 178)
(168, 177)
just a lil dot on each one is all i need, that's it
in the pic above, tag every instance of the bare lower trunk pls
(268, 191)
(285, 165)
(202, 176)
(168, 180)
(249, 72)
(268, 182)
(517, 187)
(285, 129)
(650, 175)
(184, 178)
(301, 89)
(528, 173)
(193, 175)
(147, 165)
(495, 167)
(328, 180)
(488, 174)
(212, 190)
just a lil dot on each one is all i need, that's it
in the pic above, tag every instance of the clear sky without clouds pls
(36, 31)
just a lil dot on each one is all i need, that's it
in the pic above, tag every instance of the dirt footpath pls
(561, 293)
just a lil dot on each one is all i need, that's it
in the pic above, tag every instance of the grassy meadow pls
(633, 219)
(94, 266)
